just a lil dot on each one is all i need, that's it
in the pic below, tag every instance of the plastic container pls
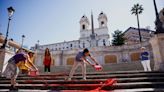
(98, 67)
(32, 73)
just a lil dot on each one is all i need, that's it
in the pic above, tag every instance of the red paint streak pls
(28, 81)
(96, 87)
(108, 82)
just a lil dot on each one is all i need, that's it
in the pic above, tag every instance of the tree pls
(118, 38)
(137, 9)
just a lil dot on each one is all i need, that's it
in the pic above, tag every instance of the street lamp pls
(158, 23)
(150, 33)
(10, 13)
(38, 42)
(23, 36)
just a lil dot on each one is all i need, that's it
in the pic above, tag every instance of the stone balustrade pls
(117, 54)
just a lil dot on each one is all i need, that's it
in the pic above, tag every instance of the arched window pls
(104, 42)
(102, 23)
(110, 59)
(135, 56)
(70, 61)
(70, 45)
(83, 45)
(83, 27)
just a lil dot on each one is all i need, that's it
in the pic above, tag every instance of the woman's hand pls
(30, 69)
(92, 65)
(36, 69)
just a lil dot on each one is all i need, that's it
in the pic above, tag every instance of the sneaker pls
(13, 88)
(16, 84)
(69, 79)
(49, 73)
(2, 75)
(84, 79)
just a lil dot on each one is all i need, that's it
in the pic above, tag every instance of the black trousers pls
(46, 68)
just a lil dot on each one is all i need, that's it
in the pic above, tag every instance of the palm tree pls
(137, 9)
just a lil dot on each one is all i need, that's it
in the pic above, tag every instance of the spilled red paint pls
(95, 87)
(28, 81)
(108, 82)
(33, 73)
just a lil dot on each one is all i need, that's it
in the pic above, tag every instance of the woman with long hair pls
(47, 60)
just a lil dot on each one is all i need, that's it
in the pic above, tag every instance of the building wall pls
(102, 39)
(84, 41)
(104, 55)
(132, 35)
(5, 55)
(64, 52)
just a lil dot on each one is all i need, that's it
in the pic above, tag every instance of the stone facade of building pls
(103, 54)
(131, 35)
(101, 36)
(64, 53)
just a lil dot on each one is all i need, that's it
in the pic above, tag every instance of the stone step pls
(51, 77)
(129, 66)
(98, 73)
(87, 86)
(89, 81)
(101, 73)
(124, 90)
(125, 80)
(90, 77)
(141, 90)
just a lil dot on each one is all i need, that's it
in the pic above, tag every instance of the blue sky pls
(52, 21)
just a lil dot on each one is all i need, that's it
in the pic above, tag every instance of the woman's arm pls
(27, 65)
(83, 59)
(146, 54)
(29, 61)
(93, 60)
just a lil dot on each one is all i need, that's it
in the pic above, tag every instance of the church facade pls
(85, 40)
(96, 40)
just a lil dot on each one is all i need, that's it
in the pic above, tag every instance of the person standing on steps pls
(145, 59)
(47, 61)
(80, 59)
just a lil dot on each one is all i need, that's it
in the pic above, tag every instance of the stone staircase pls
(127, 81)
(128, 66)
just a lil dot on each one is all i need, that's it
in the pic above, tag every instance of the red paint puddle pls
(28, 81)
(54, 85)
(83, 91)
(108, 82)
(98, 88)
(33, 73)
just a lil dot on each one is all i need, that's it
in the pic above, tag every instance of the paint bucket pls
(98, 67)
(32, 73)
